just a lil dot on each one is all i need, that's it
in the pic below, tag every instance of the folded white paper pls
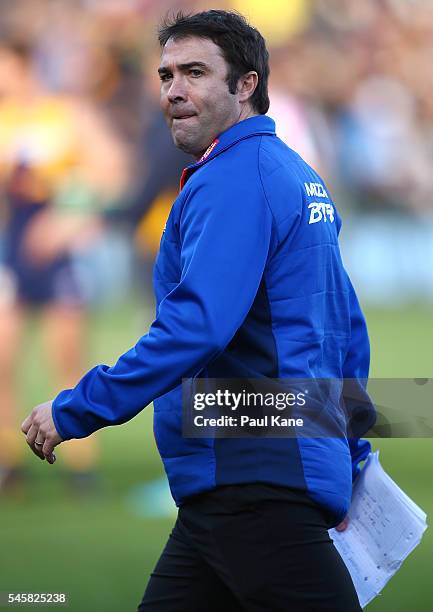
(385, 525)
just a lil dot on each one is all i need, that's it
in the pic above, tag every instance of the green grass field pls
(100, 552)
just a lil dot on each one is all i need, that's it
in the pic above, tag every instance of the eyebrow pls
(183, 67)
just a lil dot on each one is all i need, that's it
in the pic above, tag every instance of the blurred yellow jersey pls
(41, 136)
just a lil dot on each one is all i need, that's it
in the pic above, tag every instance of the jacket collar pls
(253, 126)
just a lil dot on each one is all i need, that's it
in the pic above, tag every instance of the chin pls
(185, 146)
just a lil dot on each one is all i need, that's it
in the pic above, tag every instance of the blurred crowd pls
(84, 149)
(350, 88)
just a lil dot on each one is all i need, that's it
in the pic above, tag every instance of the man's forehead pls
(190, 49)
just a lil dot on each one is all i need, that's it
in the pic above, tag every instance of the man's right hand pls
(41, 433)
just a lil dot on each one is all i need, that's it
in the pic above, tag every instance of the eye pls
(165, 76)
(195, 72)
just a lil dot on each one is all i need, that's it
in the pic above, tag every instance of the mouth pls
(182, 117)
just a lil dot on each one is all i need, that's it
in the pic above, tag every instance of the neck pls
(246, 112)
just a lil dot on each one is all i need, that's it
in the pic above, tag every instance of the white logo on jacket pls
(321, 211)
(315, 189)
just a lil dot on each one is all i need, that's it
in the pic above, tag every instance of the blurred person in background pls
(106, 58)
(58, 164)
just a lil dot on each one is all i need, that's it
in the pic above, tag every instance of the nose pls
(177, 91)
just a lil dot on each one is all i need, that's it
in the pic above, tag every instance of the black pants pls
(247, 548)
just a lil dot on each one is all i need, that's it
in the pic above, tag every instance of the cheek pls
(163, 102)
(219, 103)
(218, 115)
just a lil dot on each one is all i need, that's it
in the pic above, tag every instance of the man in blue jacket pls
(249, 284)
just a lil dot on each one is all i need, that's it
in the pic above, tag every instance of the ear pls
(247, 85)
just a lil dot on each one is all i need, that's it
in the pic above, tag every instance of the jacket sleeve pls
(225, 235)
(360, 411)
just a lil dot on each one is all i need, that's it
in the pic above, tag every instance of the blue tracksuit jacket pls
(249, 282)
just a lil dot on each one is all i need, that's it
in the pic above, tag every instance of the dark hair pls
(243, 46)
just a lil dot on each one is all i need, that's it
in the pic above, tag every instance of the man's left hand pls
(41, 433)
(343, 525)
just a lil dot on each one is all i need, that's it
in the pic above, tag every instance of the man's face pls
(195, 98)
